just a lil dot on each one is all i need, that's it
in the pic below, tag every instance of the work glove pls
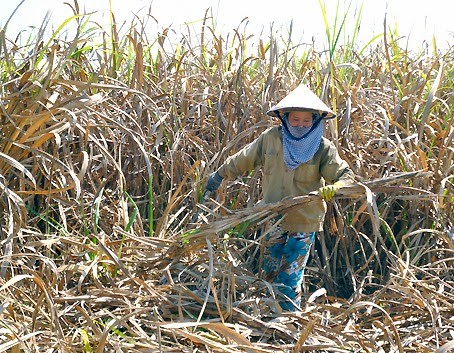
(327, 192)
(213, 182)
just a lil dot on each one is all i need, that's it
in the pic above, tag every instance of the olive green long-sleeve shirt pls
(279, 181)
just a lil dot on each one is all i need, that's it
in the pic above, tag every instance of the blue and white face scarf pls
(301, 143)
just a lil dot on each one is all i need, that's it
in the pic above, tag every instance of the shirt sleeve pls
(248, 158)
(333, 168)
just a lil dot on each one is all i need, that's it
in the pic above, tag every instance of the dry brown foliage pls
(106, 245)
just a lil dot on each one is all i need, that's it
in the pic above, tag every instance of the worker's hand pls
(213, 182)
(327, 192)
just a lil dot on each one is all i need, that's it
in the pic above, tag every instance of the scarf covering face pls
(300, 143)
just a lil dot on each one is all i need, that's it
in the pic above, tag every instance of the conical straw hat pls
(302, 98)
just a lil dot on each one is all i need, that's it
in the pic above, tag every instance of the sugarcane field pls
(111, 240)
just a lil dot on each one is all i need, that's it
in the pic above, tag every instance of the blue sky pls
(425, 20)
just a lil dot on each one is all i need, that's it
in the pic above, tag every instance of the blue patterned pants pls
(285, 258)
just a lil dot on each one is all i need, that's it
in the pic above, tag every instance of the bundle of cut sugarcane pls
(365, 190)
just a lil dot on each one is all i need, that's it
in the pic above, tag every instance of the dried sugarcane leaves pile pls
(106, 244)
(212, 275)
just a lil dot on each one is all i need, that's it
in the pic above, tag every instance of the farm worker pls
(296, 160)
